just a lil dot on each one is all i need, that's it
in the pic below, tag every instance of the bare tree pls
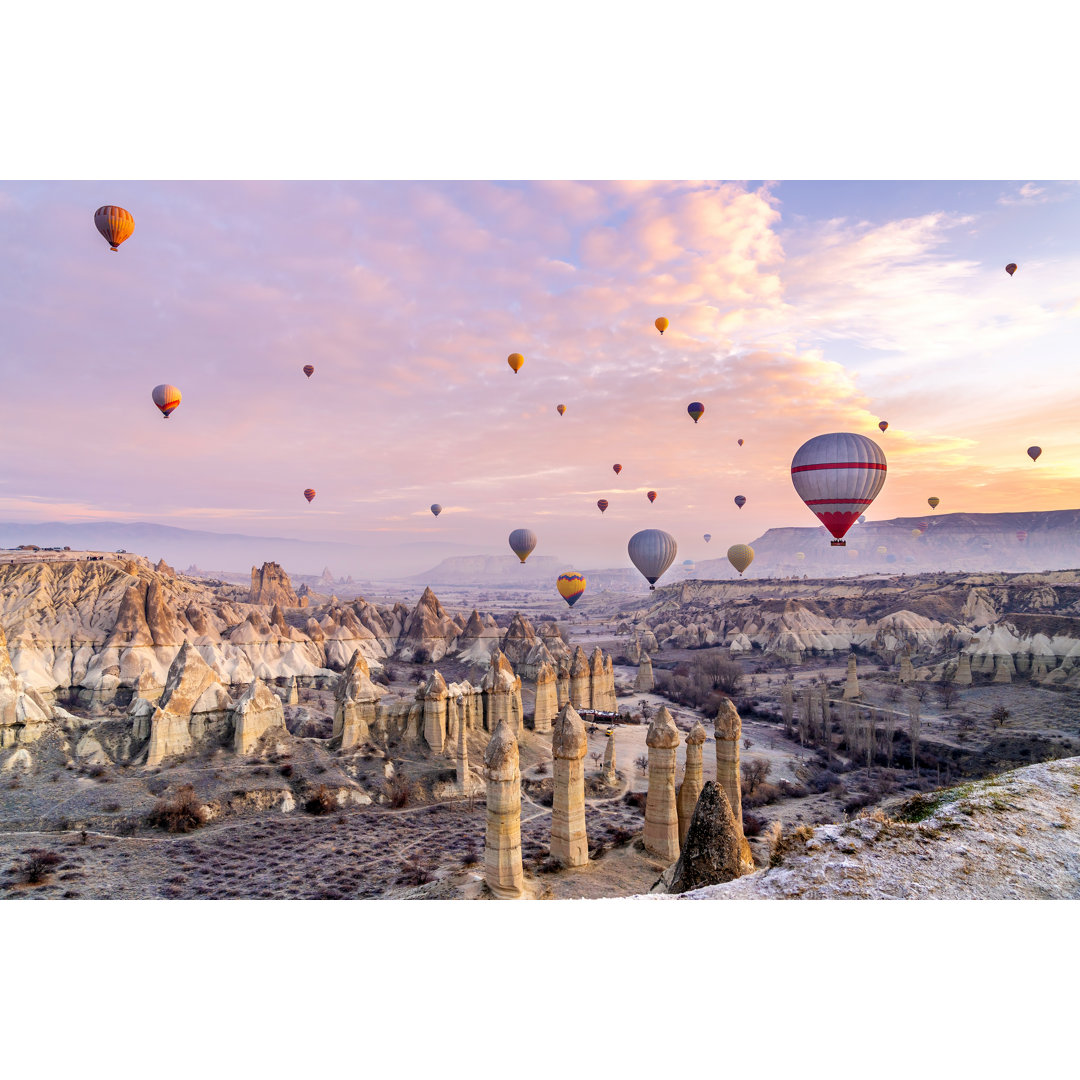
(642, 762)
(645, 708)
(914, 727)
(920, 690)
(597, 756)
(1000, 716)
(754, 773)
(719, 672)
(787, 706)
(947, 695)
(747, 743)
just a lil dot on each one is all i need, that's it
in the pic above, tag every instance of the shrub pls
(321, 801)
(399, 790)
(286, 771)
(752, 824)
(636, 799)
(37, 865)
(415, 870)
(542, 768)
(181, 813)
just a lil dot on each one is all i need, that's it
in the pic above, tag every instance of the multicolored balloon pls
(515, 360)
(309, 370)
(616, 469)
(1034, 452)
(883, 425)
(603, 504)
(166, 398)
(115, 224)
(309, 494)
(436, 509)
(740, 501)
(740, 442)
(1021, 535)
(652, 551)
(661, 324)
(561, 409)
(1010, 269)
(740, 556)
(522, 542)
(571, 585)
(934, 501)
(696, 410)
(651, 496)
(838, 475)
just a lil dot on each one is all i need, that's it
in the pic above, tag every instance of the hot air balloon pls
(166, 398)
(309, 370)
(603, 504)
(661, 324)
(617, 469)
(838, 475)
(309, 494)
(522, 542)
(515, 360)
(436, 509)
(696, 410)
(800, 555)
(883, 425)
(740, 501)
(652, 551)
(740, 442)
(114, 223)
(916, 533)
(862, 518)
(1021, 535)
(571, 585)
(651, 496)
(708, 537)
(882, 550)
(740, 556)
(1033, 452)
(561, 409)
(933, 501)
(1010, 269)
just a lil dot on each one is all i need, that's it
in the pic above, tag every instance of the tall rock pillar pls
(569, 844)
(728, 733)
(644, 682)
(502, 844)
(580, 680)
(693, 780)
(547, 702)
(661, 812)
(851, 687)
(434, 697)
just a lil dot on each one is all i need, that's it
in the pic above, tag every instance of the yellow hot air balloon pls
(740, 556)
(561, 409)
(114, 223)
(515, 360)
(882, 550)
(916, 533)
(571, 585)
(661, 324)
(933, 501)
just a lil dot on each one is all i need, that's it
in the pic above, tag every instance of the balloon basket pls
(837, 543)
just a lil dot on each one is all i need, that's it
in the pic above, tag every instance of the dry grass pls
(180, 814)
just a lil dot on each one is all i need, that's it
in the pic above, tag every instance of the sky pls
(795, 308)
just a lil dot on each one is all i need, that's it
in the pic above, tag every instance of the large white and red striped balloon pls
(838, 476)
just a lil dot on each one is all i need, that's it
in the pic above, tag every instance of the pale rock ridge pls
(519, 639)
(963, 670)
(23, 712)
(569, 844)
(428, 630)
(661, 812)
(271, 585)
(356, 699)
(502, 844)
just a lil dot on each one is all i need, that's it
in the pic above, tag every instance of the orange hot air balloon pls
(309, 370)
(652, 496)
(883, 425)
(166, 398)
(1010, 269)
(114, 223)
(309, 494)
(661, 324)
(603, 504)
(561, 409)
(515, 360)
(617, 469)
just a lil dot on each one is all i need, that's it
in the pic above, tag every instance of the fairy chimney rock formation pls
(434, 696)
(568, 745)
(255, 713)
(502, 844)
(596, 679)
(728, 734)
(502, 695)
(608, 772)
(271, 585)
(356, 699)
(963, 671)
(851, 687)
(562, 682)
(547, 699)
(462, 761)
(644, 682)
(1004, 669)
(711, 853)
(907, 672)
(292, 693)
(519, 639)
(661, 812)
(690, 788)
(580, 680)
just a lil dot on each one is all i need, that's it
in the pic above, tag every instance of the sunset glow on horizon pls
(795, 309)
